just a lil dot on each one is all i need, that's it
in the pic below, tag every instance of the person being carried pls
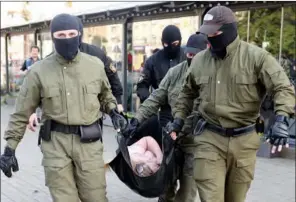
(146, 156)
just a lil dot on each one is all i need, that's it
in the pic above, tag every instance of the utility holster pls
(199, 124)
(260, 125)
(45, 131)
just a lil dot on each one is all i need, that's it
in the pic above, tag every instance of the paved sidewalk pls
(274, 178)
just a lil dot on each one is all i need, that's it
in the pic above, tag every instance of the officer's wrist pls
(139, 117)
(282, 113)
(113, 111)
(282, 119)
(178, 124)
(11, 143)
(111, 107)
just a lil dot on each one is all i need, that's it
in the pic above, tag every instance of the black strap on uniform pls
(230, 132)
(67, 129)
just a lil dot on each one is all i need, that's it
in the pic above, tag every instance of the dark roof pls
(148, 12)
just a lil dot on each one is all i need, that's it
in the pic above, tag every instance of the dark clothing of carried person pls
(156, 184)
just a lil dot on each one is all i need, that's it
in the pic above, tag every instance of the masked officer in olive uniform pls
(167, 93)
(230, 78)
(72, 88)
(110, 70)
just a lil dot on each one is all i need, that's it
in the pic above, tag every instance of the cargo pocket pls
(52, 101)
(55, 172)
(92, 174)
(205, 90)
(89, 165)
(244, 170)
(91, 96)
(245, 88)
(205, 165)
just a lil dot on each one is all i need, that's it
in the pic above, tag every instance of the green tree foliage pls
(265, 25)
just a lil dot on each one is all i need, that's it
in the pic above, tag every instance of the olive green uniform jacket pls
(71, 93)
(231, 90)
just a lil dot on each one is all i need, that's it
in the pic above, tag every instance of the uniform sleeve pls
(189, 92)
(156, 99)
(114, 80)
(107, 100)
(145, 82)
(276, 82)
(26, 104)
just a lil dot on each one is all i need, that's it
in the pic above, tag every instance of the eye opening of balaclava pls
(220, 42)
(66, 47)
(170, 34)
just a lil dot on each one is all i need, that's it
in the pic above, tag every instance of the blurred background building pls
(130, 31)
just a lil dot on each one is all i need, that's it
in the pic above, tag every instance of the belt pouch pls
(90, 133)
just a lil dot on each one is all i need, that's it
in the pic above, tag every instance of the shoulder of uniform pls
(91, 50)
(259, 54)
(40, 64)
(150, 59)
(200, 55)
(253, 49)
(91, 59)
(178, 67)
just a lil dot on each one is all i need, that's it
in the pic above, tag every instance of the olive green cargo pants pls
(74, 171)
(223, 167)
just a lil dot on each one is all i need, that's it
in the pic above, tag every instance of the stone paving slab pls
(274, 178)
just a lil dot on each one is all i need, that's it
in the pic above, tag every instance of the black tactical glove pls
(175, 126)
(118, 121)
(131, 128)
(8, 161)
(278, 134)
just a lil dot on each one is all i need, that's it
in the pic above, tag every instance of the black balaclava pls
(220, 42)
(170, 34)
(68, 47)
(80, 30)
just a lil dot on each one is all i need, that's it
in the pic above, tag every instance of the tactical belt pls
(230, 132)
(67, 129)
